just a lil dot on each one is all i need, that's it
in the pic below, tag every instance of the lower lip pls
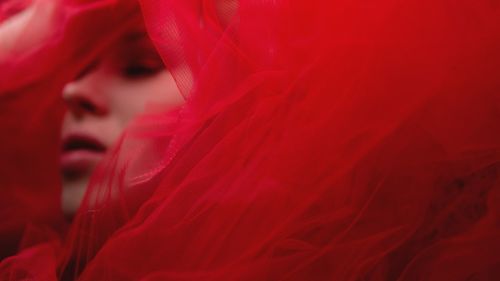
(79, 162)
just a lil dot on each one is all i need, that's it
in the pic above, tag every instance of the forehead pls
(133, 45)
(132, 41)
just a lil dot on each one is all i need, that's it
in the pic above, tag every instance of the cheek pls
(155, 94)
(163, 93)
(67, 122)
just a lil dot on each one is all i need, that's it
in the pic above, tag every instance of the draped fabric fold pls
(320, 140)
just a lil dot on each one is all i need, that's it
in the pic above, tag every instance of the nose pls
(83, 96)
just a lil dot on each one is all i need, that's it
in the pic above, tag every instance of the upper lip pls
(81, 141)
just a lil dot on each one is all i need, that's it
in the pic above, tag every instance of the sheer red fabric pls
(29, 193)
(321, 140)
(41, 48)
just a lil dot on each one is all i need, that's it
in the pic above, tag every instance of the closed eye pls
(138, 71)
(142, 67)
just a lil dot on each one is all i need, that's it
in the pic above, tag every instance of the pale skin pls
(107, 95)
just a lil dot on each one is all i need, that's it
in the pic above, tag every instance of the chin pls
(72, 196)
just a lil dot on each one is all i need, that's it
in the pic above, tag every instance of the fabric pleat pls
(320, 140)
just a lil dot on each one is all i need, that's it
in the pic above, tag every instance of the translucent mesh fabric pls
(42, 46)
(320, 140)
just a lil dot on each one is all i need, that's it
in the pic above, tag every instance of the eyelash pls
(141, 70)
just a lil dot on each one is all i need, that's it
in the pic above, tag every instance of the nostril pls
(84, 96)
(82, 106)
(87, 106)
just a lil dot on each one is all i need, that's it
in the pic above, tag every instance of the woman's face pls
(103, 99)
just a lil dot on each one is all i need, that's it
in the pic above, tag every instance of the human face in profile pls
(101, 102)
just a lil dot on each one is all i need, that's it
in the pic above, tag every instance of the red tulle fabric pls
(320, 140)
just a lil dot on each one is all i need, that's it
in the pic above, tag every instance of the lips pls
(80, 153)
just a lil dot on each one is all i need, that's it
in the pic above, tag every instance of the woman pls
(118, 85)
(124, 79)
(327, 140)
